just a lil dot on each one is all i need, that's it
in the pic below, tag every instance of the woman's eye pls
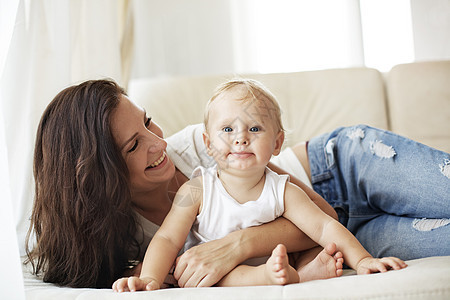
(134, 147)
(148, 122)
(254, 129)
(227, 129)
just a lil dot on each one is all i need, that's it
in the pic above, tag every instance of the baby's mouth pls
(157, 162)
(241, 154)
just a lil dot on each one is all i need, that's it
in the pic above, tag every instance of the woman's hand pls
(370, 265)
(205, 264)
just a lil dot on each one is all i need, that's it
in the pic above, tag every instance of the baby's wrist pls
(361, 261)
(148, 279)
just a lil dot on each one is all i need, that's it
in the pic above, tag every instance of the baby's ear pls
(207, 143)
(278, 143)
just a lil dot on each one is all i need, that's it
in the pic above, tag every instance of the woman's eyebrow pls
(134, 135)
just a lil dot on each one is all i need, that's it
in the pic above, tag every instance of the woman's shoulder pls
(187, 150)
(194, 131)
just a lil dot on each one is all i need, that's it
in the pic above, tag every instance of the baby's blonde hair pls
(256, 92)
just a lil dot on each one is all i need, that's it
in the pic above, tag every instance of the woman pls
(103, 180)
(91, 179)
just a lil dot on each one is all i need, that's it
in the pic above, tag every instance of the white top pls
(146, 230)
(187, 150)
(222, 214)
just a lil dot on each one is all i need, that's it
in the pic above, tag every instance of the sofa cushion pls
(316, 102)
(419, 102)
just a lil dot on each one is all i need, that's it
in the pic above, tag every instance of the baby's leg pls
(328, 263)
(276, 271)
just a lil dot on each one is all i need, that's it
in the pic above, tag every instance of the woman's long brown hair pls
(82, 222)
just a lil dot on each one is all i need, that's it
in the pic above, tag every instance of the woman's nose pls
(156, 144)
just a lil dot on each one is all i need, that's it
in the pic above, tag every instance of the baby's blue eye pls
(254, 129)
(227, 129)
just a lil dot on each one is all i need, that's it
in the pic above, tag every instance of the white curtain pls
(178, 37)
(11, 280)
(55, 43)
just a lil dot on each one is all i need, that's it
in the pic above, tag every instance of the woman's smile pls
(159, 163)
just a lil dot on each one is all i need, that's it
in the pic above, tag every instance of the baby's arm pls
(323, 229)
(168, 240)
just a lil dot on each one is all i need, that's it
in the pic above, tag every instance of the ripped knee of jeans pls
(356, 134)
(382, 150)
(445, 168)
(429, 224)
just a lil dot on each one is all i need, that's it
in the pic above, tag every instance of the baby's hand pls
(134, 283)
(374, 265)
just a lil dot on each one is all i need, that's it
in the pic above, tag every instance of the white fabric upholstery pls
(419, 102)
(427, 278)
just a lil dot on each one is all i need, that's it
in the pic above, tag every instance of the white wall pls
(431, 29)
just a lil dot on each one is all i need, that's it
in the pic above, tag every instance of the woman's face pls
(141, 144)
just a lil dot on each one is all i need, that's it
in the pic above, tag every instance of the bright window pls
(294, 35)
(387, 33)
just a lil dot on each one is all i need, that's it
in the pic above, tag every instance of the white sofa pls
(411, 99)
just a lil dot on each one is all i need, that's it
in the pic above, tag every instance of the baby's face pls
(242, 133)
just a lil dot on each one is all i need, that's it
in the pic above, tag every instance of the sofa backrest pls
(312, 102)
(419, 102)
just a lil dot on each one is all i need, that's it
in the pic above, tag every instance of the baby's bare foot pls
(327, 264)
(277, 268)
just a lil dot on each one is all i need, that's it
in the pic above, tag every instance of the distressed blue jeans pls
(391, 192)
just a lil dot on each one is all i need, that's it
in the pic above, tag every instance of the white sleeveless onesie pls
(221, 214)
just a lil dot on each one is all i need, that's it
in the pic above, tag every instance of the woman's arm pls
(206, 264)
